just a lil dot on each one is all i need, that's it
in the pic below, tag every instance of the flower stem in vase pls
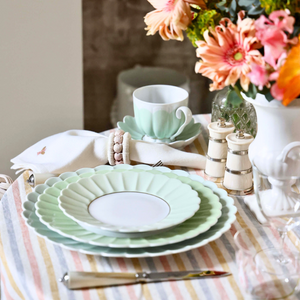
(242, 115)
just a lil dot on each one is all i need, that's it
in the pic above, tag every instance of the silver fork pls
(32, 183)
(158, 164)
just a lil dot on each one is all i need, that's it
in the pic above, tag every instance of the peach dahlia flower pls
(228, 52)
(170, 17)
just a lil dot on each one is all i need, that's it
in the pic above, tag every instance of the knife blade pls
(77, 280)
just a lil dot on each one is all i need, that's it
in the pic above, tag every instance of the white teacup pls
(130, 80)
(161, 111)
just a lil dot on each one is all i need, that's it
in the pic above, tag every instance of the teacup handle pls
(188, 117)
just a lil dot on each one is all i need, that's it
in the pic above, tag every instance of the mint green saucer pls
(189, 134)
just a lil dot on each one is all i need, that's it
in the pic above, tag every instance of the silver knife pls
(76, 280)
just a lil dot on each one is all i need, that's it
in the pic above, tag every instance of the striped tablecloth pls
(31, 267)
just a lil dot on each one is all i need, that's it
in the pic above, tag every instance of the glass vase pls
(243, 116)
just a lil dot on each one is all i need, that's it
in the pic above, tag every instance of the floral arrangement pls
(250, 46)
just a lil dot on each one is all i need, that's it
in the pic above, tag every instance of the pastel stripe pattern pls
(31, 266)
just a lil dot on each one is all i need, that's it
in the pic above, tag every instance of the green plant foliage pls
(271, 5)
(231, 8)
(202, 21)
(252, 91)
(233, 98)
(267, 93)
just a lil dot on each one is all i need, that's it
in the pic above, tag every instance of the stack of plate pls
(129, 211)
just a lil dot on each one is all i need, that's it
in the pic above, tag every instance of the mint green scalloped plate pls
(223, 224)
(178, 202)
(49, 213)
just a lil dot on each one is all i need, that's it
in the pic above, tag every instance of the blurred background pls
(114, 39)
(60, 61)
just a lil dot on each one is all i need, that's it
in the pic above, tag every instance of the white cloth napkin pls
(150, 153)
(75, 149)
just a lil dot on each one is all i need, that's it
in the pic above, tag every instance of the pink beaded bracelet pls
(118, 148)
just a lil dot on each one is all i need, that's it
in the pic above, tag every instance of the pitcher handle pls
(286, 150)
(188, 117)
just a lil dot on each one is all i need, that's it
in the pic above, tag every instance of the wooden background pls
(114, 39)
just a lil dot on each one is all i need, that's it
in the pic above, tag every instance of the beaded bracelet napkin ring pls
(118, 147)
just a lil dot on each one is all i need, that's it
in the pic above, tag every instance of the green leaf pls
(269, 97)
(222, 6)
(234, 99)
(266, 91)
(252, 91)
(231, 8)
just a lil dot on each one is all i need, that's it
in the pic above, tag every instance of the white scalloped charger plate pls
(49, 213)
(223, 224)
(135, 203)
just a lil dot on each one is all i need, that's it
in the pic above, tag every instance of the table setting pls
(169, 204)
(52, 241)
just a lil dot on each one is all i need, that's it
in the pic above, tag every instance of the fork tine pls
(158, 164)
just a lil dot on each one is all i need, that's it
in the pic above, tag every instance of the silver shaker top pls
(239, 140)
(220, 129)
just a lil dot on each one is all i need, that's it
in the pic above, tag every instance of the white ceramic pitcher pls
(276, 149)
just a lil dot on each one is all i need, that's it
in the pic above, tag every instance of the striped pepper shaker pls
(217, 148)
(238, 171)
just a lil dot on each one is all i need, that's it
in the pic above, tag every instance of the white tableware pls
(238, 172)
(223, 224)
(217, 148)
(131, 79)
(51, 215)
(188, 135)
(275, 150)
(161, 111)
(128, 202)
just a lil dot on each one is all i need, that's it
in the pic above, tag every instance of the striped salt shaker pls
(238, 171)
(217, 148)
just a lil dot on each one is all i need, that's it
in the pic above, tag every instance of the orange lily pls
(289, 76)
